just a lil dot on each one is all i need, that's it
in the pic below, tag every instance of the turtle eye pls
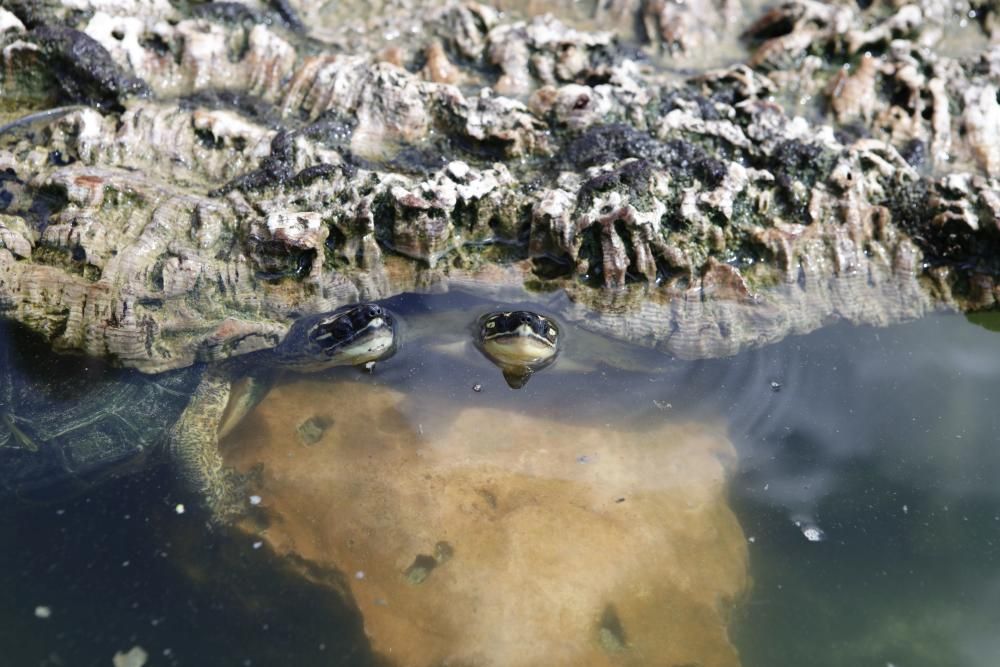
(551, 333)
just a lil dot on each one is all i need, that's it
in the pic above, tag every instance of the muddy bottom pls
(471, 534)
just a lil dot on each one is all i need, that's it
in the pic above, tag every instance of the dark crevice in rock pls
(611, 632)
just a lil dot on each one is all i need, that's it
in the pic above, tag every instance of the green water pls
(882, 441)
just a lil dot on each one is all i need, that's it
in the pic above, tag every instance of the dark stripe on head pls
(344, 325)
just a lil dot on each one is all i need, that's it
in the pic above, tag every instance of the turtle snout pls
(526, 318)
(372, 311)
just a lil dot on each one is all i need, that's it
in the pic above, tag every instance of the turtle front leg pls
(194, 446)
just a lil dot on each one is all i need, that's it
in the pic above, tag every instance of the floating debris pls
(179, 508)
(423, 564)
(813, 533)
(420, 569)
(136, 657)
(477, 387)
(775, 386)
(311, 430)
(258, 545)
(42, 611)
(359, 575)
(255, 500)
(810, 530)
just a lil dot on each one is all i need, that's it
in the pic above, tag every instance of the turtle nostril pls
(525, 319)
(374, 311)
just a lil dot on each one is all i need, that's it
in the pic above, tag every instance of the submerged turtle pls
(65, 419)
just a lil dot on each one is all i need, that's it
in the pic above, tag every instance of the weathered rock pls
(595, 545)
(688, 214)
(51, 65)
(877, 71)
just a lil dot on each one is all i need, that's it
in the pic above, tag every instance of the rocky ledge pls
(192, 178)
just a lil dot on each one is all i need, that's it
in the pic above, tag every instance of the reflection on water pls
(426, 511)
(887, 439)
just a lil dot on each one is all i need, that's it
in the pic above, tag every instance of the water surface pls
(863, 484)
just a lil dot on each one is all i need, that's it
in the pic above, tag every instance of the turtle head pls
(351, 335)
(520, 342)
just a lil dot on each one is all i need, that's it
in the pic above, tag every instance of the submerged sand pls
(485, 537)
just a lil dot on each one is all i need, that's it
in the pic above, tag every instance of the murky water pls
(854, 467)
(886, 440)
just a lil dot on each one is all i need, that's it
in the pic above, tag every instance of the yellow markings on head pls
(519, 350)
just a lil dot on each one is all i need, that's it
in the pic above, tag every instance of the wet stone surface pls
(840, 165)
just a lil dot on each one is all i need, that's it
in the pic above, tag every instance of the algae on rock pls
(224, 173)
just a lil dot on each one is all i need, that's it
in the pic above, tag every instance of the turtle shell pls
(66, 422)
